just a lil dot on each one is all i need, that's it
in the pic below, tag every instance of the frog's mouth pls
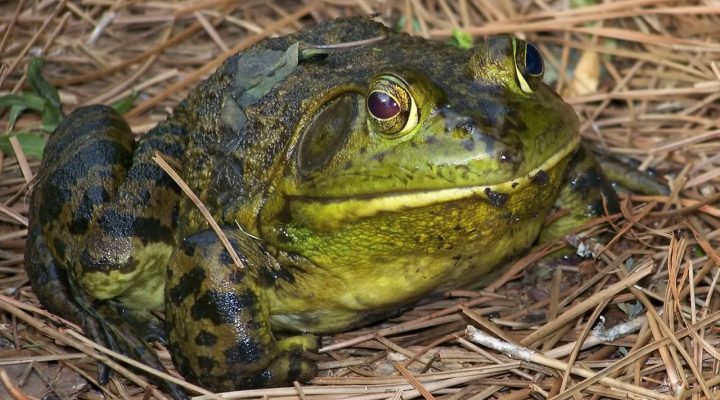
(497, 194)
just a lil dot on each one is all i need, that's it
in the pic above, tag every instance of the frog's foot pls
(247, 365)
(218, 316)
(145, 324)
(289, 365)
(292, 364)
(124, 336)
(106, 324)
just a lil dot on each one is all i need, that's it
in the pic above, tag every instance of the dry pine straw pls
(644, 78)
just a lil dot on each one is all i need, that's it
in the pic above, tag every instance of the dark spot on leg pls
(585, 181)
(295, 365)
(268, 276)
(206, 364)
(189, 283)
(225, 258)
(222, 307)
(59, 248)
(202, 240)
(188, 247)
(541, 178)
(120, 224)
(246, 350)
(236, 275)
(78, 225)
(496, 199)
(205, 339)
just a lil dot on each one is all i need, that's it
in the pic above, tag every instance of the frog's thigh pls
(219, 321)
(583, 195)
(105, 197)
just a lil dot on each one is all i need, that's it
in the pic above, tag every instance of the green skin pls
(345, 218)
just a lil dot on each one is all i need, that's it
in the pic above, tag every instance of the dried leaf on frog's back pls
(258, 71)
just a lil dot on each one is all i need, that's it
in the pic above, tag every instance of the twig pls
(203, 210)
(525, 354)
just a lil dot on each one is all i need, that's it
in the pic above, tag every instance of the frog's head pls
(435, 132)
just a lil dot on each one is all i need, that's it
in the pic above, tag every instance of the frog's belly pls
(326, 302)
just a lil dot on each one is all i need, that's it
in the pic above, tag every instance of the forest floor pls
(644, 78)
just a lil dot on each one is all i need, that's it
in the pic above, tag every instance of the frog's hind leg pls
(219, 320)
(83, 233)
(51, 286)
(103, 324)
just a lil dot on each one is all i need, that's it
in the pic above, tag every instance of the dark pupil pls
(533, 60)
(382, 106)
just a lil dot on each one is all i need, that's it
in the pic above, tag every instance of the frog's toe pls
(146, 325)
(126, 337)
(292, 363)
(287, 368)
(301, 343)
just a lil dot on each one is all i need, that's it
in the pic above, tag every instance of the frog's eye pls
(533, 60)
(392, 110)
(529, 66)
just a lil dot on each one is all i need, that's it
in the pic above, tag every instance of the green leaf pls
(461, 39)
(51, 117)
(698, 251)
(125, 104)
(43, 99)
(13, 115)
(32, 143)
(27, 100)
(40, 85)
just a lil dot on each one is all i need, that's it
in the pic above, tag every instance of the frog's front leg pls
(583, 196)
(219, 319)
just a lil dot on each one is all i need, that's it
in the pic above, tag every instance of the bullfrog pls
(352, 170)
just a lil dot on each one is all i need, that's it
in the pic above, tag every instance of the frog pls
(350, 171)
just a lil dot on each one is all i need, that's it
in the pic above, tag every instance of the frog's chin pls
(495, 194)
